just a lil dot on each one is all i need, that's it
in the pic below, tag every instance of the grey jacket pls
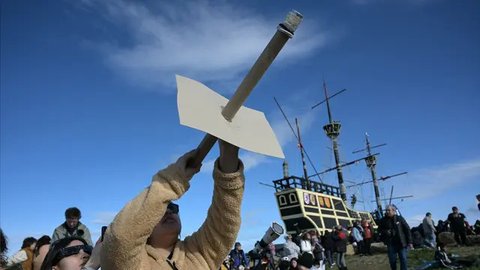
(81, 231)
(428, 226)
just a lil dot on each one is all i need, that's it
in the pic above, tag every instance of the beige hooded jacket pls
(125, 244)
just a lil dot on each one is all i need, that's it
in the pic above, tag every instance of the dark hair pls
(454, 208)
(306, 259)
(42, 241)
(3, 248)
(428, 214)
(55, 249)
(292, 260)
(27, 242)
(73, 212)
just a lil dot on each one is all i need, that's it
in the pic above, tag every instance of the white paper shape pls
(200, 107)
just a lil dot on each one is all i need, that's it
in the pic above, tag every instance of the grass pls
(416, 258)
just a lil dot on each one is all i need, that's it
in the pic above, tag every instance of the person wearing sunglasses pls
(71, 253)
(145, 233)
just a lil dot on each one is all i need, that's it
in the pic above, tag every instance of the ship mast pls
(300, 145)
(332, 129)
(371, 162)
(303, 152)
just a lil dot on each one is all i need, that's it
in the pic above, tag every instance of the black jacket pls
(327, 241)
(340, 239)
(395, 231)
(457, 222)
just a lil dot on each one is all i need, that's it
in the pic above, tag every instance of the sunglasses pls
(69, 251)
(173, 207)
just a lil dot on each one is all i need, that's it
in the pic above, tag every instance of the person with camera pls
(395, 233)
(145, 233)
(72, 227)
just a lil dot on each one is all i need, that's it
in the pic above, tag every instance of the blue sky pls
(88, 102)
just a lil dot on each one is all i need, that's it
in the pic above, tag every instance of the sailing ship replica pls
(305, 204)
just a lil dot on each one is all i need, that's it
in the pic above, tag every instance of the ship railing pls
(298, 182)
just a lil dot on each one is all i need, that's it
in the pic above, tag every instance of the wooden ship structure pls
(307, 204)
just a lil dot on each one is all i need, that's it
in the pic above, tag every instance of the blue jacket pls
(357, 234)
(238, 258)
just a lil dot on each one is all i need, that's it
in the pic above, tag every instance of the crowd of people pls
(304, 250)
(311, 250)
(145, 234)
(71, 243)
(70, 246)
(427, 233)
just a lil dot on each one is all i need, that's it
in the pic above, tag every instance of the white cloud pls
(201, 40)
(431, 182)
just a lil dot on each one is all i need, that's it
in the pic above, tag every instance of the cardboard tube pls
(284, 32)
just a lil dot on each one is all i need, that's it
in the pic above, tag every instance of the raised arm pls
(219, 231)
(125, 240)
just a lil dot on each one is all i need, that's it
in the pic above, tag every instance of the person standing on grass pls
(429, 230)
(395, 233)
